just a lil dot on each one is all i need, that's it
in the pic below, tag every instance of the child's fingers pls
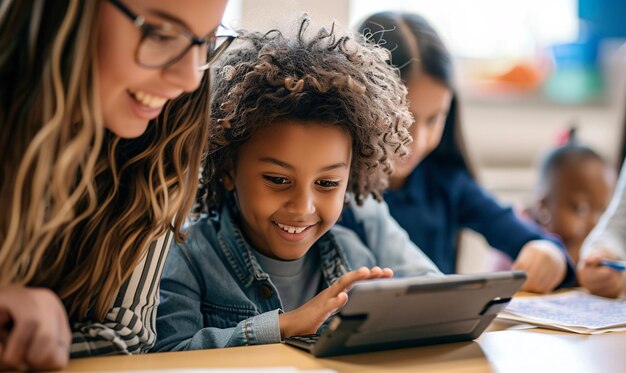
(591, 268)
(602, 276)
(335, 303)
(346, 281)
(600, 280)
(376, 272)
(592, 260)
(596, 256)
(607, 285)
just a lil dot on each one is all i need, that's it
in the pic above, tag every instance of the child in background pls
(301, 122)
(575, 187)
(433, 193)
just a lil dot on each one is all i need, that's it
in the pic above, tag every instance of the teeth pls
(149, 100)
(290, 229)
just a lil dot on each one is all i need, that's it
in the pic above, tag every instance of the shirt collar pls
(237, 250)
(242, 259)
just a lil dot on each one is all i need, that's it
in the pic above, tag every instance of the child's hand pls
(35, 329)
(544, 263)
(600, 280)
(310, 316)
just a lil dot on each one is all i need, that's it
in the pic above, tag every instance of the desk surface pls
(532, 350)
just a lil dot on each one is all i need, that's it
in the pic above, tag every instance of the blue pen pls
(619, 265)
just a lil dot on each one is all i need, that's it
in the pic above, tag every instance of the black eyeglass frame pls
(147, 28)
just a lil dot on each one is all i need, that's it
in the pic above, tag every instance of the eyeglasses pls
(163, 45)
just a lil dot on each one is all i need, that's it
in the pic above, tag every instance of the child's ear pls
(228, 180)
(543, 214)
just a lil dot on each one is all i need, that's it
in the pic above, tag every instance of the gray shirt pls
(297, 280)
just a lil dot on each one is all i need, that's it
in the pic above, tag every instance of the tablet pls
(404, 312)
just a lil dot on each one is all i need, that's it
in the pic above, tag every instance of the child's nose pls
(302, 202)
(420, 139)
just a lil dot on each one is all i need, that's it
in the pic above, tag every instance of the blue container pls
(576, 77)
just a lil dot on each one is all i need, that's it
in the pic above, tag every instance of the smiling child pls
(303, 124)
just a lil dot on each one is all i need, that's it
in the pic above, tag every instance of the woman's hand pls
(35, 329)
(310, 316)
(600, 280)
(544, 264)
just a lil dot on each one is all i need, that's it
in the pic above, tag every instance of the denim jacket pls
(373, 224)
(215, 294)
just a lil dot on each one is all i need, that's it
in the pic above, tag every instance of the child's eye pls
(581, 208)
(327, 183)
(432, 120)
(276, 179)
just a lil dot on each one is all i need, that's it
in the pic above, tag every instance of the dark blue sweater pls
(438, 200)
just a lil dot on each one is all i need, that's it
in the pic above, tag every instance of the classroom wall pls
(267, 14)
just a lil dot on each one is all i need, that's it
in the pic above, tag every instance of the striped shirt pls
(129, 326)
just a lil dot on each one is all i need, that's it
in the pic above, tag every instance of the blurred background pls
(526, 71)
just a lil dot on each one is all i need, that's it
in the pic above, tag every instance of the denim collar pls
(244, 264)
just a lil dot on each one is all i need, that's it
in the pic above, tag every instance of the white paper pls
(574, 311)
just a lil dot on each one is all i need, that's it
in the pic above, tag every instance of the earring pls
(227, 182)
(543, 216)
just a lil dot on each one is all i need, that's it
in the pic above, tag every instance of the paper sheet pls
(575, 311)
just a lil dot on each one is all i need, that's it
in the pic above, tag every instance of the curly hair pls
(342, 80)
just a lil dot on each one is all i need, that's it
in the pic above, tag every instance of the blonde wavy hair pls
(341, 80)
(80, 205)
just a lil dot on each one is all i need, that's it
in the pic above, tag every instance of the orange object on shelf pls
(521, 76)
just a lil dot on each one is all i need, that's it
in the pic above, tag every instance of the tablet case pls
(405, 312)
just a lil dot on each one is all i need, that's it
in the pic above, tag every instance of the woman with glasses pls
(103, 116)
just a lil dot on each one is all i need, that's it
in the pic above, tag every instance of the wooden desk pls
(507, 350)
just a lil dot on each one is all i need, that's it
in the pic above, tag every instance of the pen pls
(619, 265)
